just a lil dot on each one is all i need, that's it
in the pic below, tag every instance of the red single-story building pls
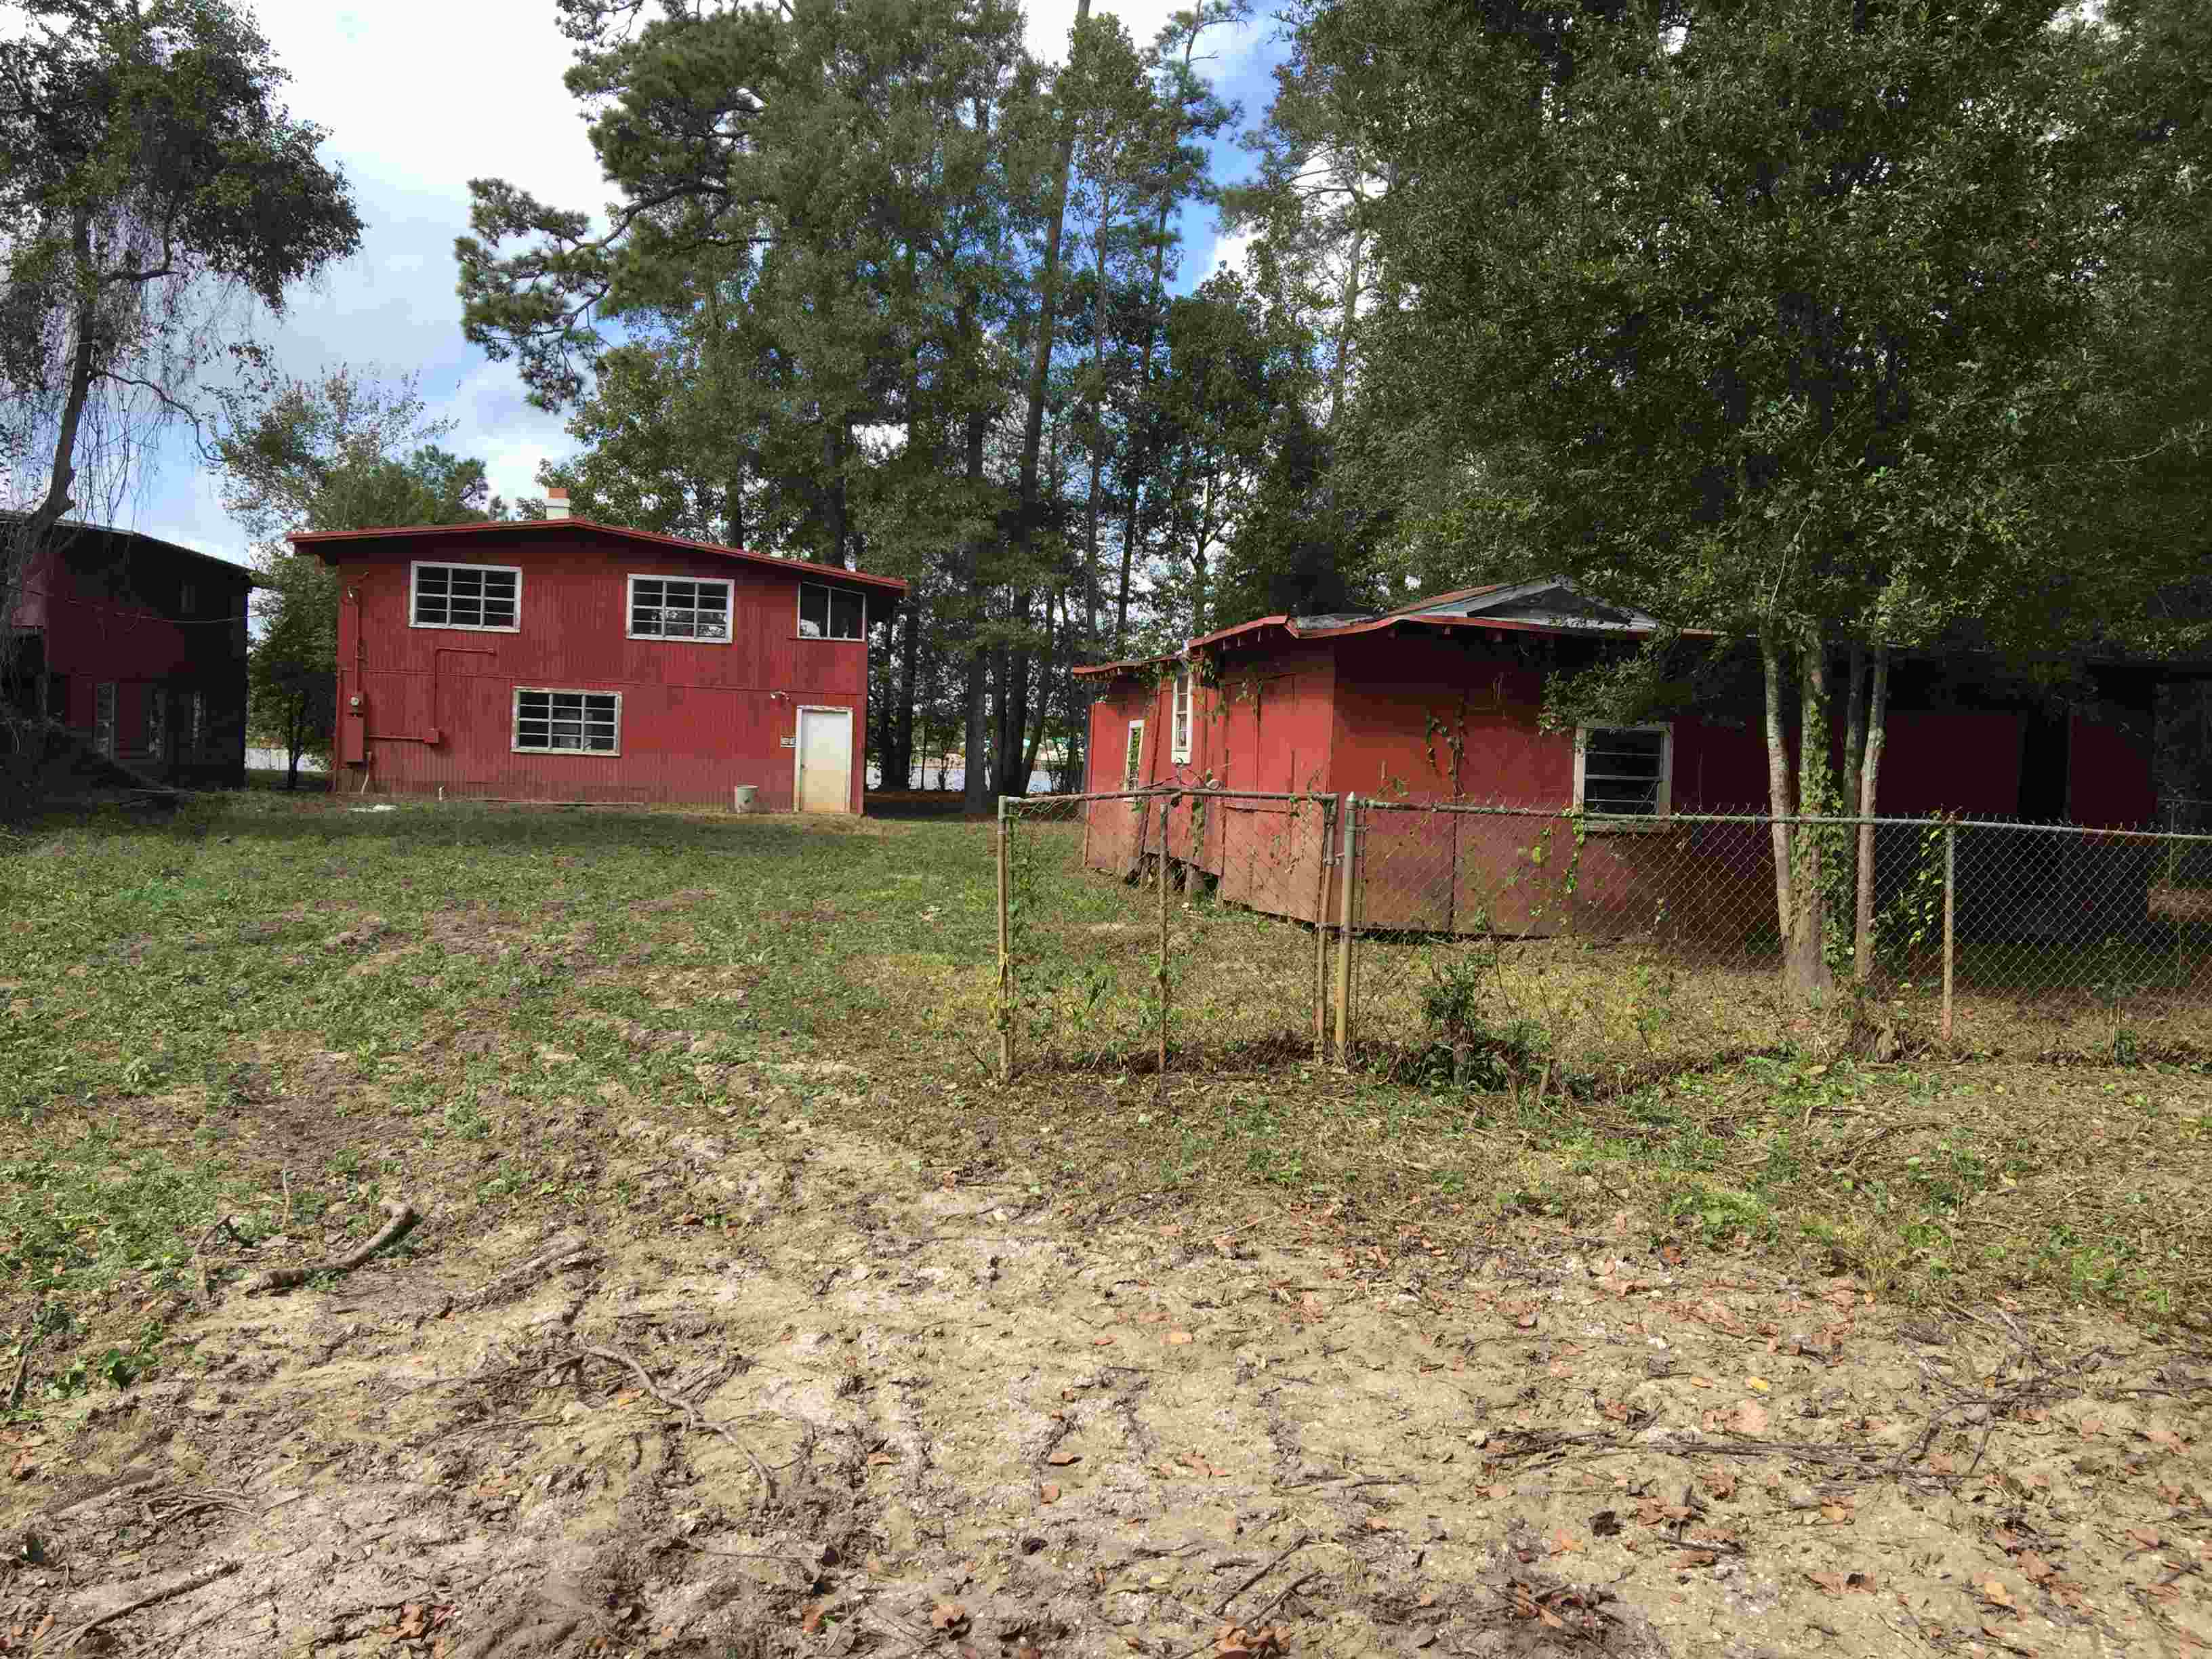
(562, 659)
(137, 646)
(1440, 701)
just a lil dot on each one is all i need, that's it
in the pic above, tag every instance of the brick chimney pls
(556, 503)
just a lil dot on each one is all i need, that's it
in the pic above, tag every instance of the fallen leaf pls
(1061, 1460)
(1605, 1523)
(1835, 1512)
(1377, 1523)
(1757, 1384)
(1994, 1592)
(1428, 1598)
(2035, 1567)
(1701, 1381)
(811, 1620)
(1697, 1558)
(1564, 1542)
(948, 1616)
(2092, 1426)
(1177, 1338)
(2144, 1536)
(1050, 1494)
(1749, 1417)
(2166, 1438)
(877, 1460)
(1102, 1341)
(1721, 1483)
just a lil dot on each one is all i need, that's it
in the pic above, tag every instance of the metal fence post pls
(1005, 943)
(1167, 812)
(1348, 876)
(1320, 804)
(1950, 885)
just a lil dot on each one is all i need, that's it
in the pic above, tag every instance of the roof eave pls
(316, 541)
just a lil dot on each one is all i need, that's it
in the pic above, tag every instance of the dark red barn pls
(562, 659)
(138, 646)
(1441, 702)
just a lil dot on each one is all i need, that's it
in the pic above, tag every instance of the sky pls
(420, 96)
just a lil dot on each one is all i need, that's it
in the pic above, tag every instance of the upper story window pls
(679, 608)
(1181, 723)
(486, 598)
(188, 599)
(1623, 771)
(1133, 757)
(830, 613)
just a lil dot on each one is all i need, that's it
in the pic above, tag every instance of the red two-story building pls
(138, 646)
(562, 660)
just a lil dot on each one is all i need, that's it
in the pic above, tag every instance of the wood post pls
(1950, 887)
(1005, 941)
(1348, 879)
(1320, 804)
(1167, 812)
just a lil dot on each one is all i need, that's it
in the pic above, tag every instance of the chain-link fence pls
(1169, 929)
(1158, 927)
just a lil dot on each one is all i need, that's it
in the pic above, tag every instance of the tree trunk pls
(1807, 957)
(1869, 779)
(1014, 688)
(1779, 803)
(1140, 458)
(975, 782)
(899, 751)
(1854, 760)
(35, 530)
(1340, 371)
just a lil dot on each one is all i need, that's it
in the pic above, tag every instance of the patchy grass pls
(282, 1011)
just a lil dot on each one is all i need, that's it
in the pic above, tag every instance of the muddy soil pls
(837, 1406)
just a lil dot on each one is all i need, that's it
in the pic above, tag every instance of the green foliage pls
(345, 451)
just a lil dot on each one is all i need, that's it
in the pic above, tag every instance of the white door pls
(825, 760)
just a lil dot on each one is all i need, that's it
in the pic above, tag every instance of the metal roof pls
(316, 540)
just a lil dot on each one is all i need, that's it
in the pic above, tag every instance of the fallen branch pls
(403, 1216)
(1224, 1606)
(199, 1580)
(569, 1249)
(23, 1366)
(199, 1252)
(691, 1419)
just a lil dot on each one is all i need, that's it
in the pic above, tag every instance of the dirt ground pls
(804, 1397)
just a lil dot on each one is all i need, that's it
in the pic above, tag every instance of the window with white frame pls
(1133, 757)
(484, 598)
(551, 722)
(830, 613)
(1181, 722)
(1623, 771)
(679, 608)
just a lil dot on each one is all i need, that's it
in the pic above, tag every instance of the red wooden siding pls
(108, 606)
(2108, 775)
(698, 718)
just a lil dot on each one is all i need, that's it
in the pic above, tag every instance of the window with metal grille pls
(103, 718)
(1623, 771)
(830, 613)
(196, 723)
(679, 608)
(1133, 758)
(1181, 717)
(562, 723)
(486, 598)
(157, 722)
